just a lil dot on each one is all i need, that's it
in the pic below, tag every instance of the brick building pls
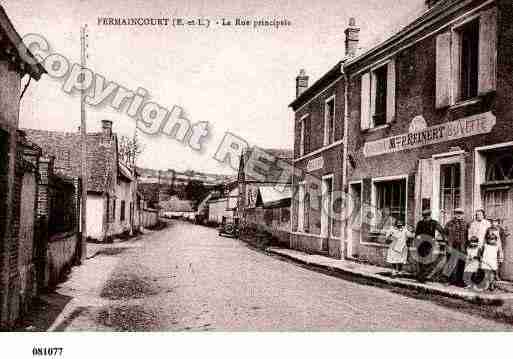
(319, 148)
(111, 187)
(13, 67)
(263, 193)
(429, 116)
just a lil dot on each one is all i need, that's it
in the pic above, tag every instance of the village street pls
(186, 277)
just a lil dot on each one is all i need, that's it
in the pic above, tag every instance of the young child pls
(491, 256)
(473, 261)
(397, 253)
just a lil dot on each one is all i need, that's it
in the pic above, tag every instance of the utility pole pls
(83, 154)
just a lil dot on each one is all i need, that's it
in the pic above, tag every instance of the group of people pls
(461, 253)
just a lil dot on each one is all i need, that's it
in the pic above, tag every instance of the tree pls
(195, 191)
(130, 149)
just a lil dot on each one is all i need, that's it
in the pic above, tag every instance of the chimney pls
(301, 82)
(107, 128)
(431, 3)
(352, 38)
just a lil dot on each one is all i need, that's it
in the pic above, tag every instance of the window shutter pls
(391, 91)
(410, 200)
(443, 70)
(423, 185)
(365, 102)
(487, 51)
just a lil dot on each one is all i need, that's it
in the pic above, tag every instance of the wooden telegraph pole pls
(83, 154)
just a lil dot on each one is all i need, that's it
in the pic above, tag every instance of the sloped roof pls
(281, 153)
(32, 67)
(272, 197)
(275, 168)
(65, 147)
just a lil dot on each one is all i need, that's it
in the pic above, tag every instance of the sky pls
(237, 79)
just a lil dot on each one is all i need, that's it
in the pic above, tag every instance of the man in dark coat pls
(427, 247)
(456, 231)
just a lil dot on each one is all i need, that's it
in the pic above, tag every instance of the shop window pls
(500, 167)
(497, 191)
(390, 201)
(329, 121)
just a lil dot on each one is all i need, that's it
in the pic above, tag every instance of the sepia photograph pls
(275, 169)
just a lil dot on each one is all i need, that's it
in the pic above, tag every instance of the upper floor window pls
(466, 60)
(378, 96)
(329, 121)
(469, 35)
(304, 135)
(379, 79)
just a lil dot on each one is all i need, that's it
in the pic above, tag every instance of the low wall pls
(61, 254)
(312, 243)
(149, 217)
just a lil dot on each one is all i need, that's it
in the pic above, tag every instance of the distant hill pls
(173, 183)
(170, 176)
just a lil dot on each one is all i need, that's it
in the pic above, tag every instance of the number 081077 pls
(50, 351)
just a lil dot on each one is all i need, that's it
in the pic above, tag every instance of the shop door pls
(498, 202)
(450, 190)
(497, 197)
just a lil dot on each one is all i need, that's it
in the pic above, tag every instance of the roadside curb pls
(457, 293)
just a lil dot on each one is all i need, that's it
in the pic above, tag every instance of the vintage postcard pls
(254, 166)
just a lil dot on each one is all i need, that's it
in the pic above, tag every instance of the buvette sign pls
(464, 127)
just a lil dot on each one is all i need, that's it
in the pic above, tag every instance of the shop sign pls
(315, 164)
(464, 127)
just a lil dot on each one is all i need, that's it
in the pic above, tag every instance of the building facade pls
(262, 179)
(13, 68)
(320, 129)
(111, 186)
(428, 125)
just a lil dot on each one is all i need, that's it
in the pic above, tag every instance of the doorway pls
(497, 199)
(354, 219)
(326, 211)
(450, 190)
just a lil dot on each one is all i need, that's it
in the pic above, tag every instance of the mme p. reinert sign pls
(464, 127)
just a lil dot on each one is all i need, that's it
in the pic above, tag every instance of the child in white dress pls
(491, 256)
(472, 262)
(397, 253)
